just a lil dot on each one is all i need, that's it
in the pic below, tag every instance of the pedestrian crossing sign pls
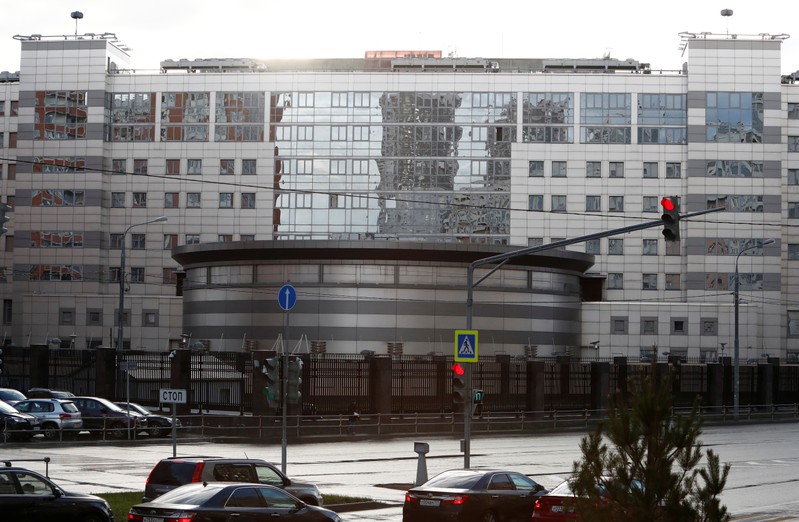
(466, 345)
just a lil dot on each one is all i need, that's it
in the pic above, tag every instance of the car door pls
(504, 498)
(247, 504)
(33, 499)
(526, 491)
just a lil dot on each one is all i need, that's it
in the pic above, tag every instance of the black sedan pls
(157, 425)
(473, 495)
(225, 501)
(15, 425)
(27, 496)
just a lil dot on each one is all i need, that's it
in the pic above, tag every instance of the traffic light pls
(671, 217)
(4, 218)
(271, 370)
(459, 398)
(293, 394)
(477, 406)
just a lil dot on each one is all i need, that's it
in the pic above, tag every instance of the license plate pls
(426, 503)
(152, 519)
(555, 509)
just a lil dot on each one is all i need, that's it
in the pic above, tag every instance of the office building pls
(371, 184)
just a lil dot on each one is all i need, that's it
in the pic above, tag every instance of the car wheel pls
(489, 516)
(51, 431)
(156, 430)
(117, 431)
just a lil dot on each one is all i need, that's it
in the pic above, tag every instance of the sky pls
(642, 30)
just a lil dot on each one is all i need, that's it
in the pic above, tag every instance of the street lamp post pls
(121, 311)
(736, 348)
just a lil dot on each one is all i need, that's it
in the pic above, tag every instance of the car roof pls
(214, 459)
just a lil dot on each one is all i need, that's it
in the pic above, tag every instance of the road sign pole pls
(286, 298)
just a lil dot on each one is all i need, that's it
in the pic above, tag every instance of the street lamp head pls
(161, 219)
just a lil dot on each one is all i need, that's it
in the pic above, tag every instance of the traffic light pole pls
(284, 386)
(499, 260)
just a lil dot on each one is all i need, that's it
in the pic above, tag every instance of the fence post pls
(715, 387)
(600, 387)
(40, 366)
(535, 387)
(765, 383)
(380, 384)
(180, 378)
(105, 373)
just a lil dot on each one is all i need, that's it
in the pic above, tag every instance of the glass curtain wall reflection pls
(431, 166)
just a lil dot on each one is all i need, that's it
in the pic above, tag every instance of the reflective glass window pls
(734, 117)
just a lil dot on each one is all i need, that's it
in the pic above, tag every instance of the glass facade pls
(401, 165)
(734, 117)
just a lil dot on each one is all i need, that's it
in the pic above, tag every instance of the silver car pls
(57, 417)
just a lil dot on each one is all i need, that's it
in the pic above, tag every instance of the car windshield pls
(132, 406)
(108, 404)
(6, 408)
(455, 480)
(12, 395)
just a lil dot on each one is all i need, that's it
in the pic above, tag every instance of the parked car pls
(560, 504)
(472, 494)
(57, 417)
(101, 416)
(27, 496)
(47, 393)
(157, 425)
(222, 502)
(172, 472)
(11, 396)
(16, 425)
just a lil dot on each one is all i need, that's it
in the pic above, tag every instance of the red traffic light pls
(458, 369)
(667, 204)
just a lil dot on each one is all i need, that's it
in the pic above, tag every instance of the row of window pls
(593, 203)
(593, 169)
(193, 200)
(94, 317)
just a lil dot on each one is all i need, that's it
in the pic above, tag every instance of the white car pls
(57, 417)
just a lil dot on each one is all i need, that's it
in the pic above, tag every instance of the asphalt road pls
(761, 486)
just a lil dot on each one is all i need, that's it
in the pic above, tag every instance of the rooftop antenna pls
(77, 15)
(727, 13)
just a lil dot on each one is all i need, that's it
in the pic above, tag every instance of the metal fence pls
(335, 383)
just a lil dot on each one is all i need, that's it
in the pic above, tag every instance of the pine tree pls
(644, 463)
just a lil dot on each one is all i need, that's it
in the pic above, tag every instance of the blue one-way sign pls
(287, 297)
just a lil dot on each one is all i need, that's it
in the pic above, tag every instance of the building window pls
(149, 318)
(673, 170)
(793, 111)
(192, 239)
(194, 166)
(793, 252)
(119, 166)
(679, 326)
(616, 203)
(227, 167)
(248, 200)
(593, 203)
(66, 316)
(12, 170)
(734, 117)
(224, 238)
(140, 166)
(672, 281)
(615, 281)
(559, 169)
(249, 167)
(304, 133)
(94, 317)
(113, 274)
(139, 200)
(650, 169)
(170, 241)
(649, 326)
(649, 282)
(651, 204)
(650, 247)
(535, 241)
(618, 325)
(615, 247)
(247, 237)
(793, 143)
(672, 248)
(168, 276)
(793, 176)
(535, 169)
(616, 169)
(593, 169)
(137, 241)
(710, 326)
(116, 241)
(225, 200)
(558, 203)
(118, 200)
(173, 167)
(592, 246)
(137, 274)
(793, 323)
(535, 202)
(171, 200)
(192, 200)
